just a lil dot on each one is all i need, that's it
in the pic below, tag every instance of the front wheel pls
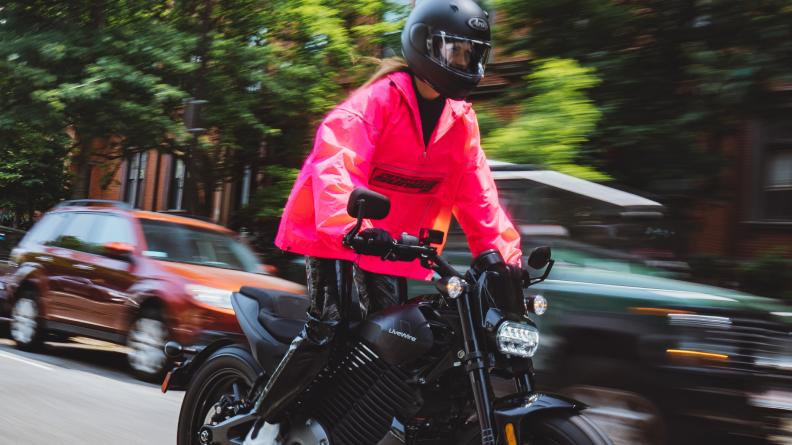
(564, 429)
(216, 393)
(557, 428)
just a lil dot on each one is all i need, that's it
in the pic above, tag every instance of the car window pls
(9, 238)
(76, 233)
(46, 230)
(185, 244)
(111, 228)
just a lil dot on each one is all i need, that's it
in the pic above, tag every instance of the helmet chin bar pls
(445, 92)
(430, 85)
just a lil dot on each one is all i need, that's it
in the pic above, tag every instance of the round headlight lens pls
(536, 304)
(454, 287)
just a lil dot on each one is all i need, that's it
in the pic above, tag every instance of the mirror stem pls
(361, 207)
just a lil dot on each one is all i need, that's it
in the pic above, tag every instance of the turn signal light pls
(511, 438)
(687, 354)
(657, 311)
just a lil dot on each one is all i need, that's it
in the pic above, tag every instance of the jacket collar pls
(453, 110)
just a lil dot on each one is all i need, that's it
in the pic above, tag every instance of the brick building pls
(150, 180)
(753, 214)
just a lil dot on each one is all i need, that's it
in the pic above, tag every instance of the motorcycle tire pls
(226, 376)
(556, 428)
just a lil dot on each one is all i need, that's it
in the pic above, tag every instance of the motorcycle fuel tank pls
(398, 334)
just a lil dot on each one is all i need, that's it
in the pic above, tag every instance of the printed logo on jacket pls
(400, 182)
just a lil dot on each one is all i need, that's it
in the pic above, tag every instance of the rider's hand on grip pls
(373, 242)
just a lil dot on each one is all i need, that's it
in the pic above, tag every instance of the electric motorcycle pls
(416, 373)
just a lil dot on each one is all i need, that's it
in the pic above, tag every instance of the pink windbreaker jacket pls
(374, 140)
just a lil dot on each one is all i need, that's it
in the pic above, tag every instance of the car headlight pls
(211, 296)
(518, 339)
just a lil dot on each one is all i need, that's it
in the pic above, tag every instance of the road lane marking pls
(29, 362)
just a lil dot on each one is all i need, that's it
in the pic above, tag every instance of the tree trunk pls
(82, 172)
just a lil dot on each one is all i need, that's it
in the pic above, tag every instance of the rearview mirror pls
(118, 250)
(364, 203)
(539, 257)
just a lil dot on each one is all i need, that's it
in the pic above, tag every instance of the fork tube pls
(524, 383)
(476, 367)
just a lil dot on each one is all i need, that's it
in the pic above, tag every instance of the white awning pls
(576, 185)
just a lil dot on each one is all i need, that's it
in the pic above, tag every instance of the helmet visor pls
(460, 54)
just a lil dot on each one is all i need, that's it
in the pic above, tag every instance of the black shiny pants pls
(339, 292)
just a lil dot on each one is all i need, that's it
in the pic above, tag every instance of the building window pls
(176, 195)
(773, 171)
(778, 185)
(135, 178)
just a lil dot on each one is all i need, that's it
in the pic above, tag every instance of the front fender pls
(518, 408)
(26, 272)
(179, 377)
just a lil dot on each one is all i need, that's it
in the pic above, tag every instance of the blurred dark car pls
(9, 238)
(657, 358)
(660, 360)
(102, 270)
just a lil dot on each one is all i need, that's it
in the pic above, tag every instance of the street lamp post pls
(192, 121)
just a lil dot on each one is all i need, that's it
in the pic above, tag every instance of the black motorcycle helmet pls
(446, 44)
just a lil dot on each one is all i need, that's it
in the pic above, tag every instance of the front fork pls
(524, 383)
(476, 366)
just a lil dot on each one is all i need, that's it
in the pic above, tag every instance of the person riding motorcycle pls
(409, 134)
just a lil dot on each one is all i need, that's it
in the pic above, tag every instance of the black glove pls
(374, 242)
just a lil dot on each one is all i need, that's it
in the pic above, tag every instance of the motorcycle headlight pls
(211, 296)
(518, 339)
(452, 287)
(536, 304)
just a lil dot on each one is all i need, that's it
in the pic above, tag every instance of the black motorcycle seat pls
(282, 314)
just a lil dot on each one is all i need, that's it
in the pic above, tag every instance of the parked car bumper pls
(733, 404)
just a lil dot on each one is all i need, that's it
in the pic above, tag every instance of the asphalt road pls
(80, 394)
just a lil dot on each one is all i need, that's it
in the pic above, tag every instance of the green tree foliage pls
(676, 75)
(269, 71)
(553, 121)
(103, 70)
(29, 179)
(97, 79)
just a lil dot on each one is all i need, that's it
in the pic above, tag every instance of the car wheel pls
(26, 329)
(629, 418)
(145, 342)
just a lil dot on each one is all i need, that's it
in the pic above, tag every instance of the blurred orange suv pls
(102, 270)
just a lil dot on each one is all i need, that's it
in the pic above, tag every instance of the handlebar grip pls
(403, 252)
(365, 246)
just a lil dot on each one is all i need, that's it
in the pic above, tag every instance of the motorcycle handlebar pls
(397, 251)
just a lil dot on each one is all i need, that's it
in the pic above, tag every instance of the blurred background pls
(648, 142)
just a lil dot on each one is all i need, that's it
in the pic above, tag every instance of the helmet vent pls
(454, 7)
